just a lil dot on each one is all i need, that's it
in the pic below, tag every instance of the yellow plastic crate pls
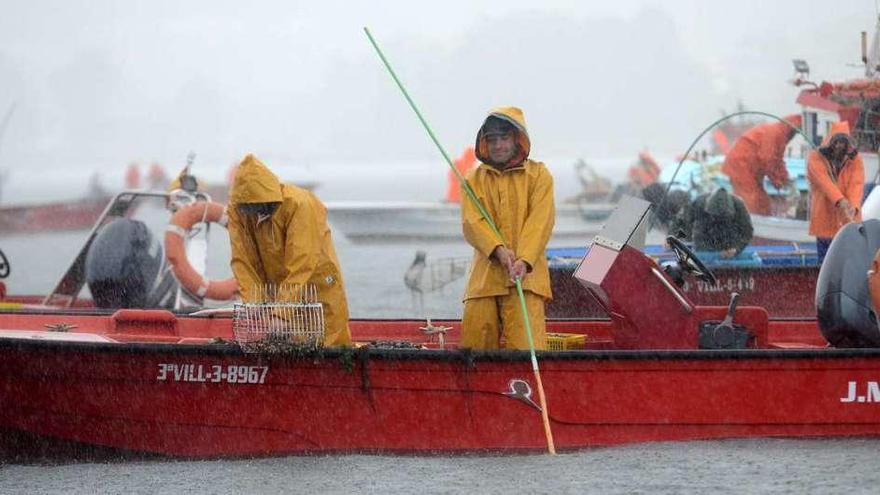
(565, 341)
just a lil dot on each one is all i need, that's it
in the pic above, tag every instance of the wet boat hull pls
(211, 400)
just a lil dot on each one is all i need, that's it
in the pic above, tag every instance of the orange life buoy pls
(178, 229)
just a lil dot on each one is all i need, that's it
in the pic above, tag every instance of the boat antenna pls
(473, 197)
(188, 181)
(190, 158)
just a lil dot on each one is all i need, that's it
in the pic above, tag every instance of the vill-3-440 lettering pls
(741, 283)
(173, 372)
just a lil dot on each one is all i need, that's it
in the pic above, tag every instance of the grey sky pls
(101, 83)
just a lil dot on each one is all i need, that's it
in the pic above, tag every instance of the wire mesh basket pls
(284, 316)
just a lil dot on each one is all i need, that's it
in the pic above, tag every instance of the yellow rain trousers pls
(482, 314)
(519, 199)
(291, 248)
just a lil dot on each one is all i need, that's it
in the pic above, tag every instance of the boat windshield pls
(627, 224)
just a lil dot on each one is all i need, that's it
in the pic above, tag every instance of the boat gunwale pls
(88, 311)
(467, 356)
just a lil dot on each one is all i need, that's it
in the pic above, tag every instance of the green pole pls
(473, 197)
(462, 180)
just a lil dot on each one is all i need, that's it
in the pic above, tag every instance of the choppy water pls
(374, 278)
(734, 466)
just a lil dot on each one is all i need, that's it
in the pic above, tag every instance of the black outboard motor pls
(123, 265)
(843, 302)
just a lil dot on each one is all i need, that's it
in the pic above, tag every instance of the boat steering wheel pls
(689, 261)
(4, 266)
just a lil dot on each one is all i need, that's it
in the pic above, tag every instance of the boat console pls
(646, 305)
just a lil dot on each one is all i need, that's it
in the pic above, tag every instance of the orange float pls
(175, 251)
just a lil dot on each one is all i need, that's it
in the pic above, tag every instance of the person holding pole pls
(518, 195)
(475, 202)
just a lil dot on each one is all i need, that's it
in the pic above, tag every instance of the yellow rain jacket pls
(293, 247)
(520, 201)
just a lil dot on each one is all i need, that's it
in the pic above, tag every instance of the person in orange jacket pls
(644, 172)
(463, 164)
(133, 176)
(837, 176)
(759, 153)
(517, 193)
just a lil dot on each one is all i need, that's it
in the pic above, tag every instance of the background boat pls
(69, 203)
(65, 215)
(402, 221)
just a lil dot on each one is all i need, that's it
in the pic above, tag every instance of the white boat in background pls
(402, 221)
(374, 222)
(773, 230)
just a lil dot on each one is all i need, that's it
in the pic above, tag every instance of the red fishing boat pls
(661, 368)
(83, 206)
(854, 101)
(40, 209)
(66, 215)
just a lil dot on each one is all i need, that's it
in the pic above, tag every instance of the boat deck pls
(160, 326)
